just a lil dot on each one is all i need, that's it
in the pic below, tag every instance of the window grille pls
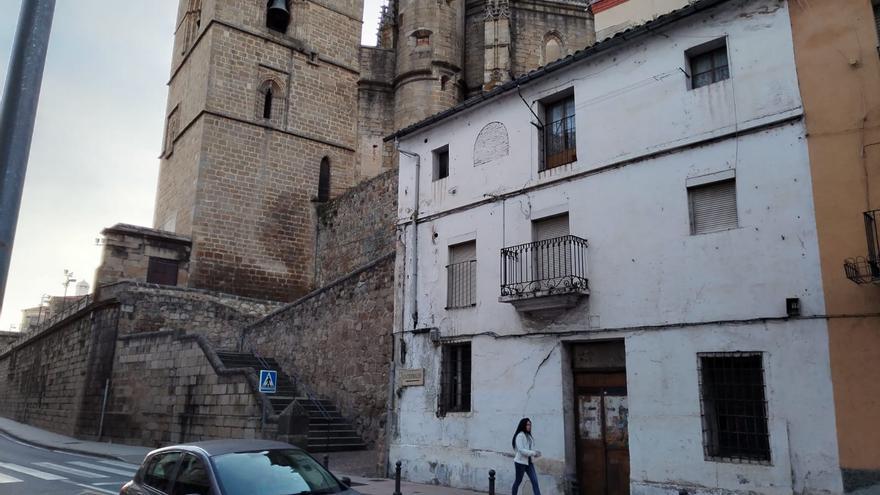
(461, 288)
(734, 407)
(709, 66)
(559, 136)
(455, 390)
(713, 207)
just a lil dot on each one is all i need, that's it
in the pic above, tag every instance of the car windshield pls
(273, 472)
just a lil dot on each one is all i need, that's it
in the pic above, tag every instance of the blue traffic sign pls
(268, 381)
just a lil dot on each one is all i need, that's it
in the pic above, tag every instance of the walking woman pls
(523, 446)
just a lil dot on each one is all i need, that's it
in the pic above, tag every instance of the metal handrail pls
(65, 313)
(300, 387)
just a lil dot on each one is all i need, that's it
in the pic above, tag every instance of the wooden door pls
(602, 434)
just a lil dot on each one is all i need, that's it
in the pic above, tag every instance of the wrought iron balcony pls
(547, 274)
(866, 269)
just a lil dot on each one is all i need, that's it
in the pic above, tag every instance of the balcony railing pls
(560, 143)
(550, 267)
(866, 269)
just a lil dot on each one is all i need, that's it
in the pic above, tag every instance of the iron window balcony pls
(546, 274)
(560, 143)
(866, 269)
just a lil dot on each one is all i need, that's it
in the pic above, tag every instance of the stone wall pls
(533, 22)
(375, 103)
(216, 316)
(337, 342)
(50, 378)
(7, 338)
(169, 388)
(357, 228)
(152, 346)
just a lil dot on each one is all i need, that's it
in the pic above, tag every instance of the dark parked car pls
(233, 467)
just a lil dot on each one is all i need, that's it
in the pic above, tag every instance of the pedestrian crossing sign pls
(268, 381)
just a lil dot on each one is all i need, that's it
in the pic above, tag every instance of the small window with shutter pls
(461, 290)
(552, 257)
(713, 207)
(162, 271)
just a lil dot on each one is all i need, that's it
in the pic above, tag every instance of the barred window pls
(734, 407)
(461, 287)
(455, 390)
(708, 63)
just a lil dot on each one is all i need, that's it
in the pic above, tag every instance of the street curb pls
(68, 450)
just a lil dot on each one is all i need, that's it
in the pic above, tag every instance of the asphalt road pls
(29, 470)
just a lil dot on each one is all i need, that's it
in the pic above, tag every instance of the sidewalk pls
(355, 465)
(54, 441)
(378, 486)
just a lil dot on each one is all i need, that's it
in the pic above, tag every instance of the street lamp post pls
(18, 110)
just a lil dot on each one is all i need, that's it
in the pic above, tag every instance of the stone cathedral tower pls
(273, 106)
(259, 112)
(434, 54)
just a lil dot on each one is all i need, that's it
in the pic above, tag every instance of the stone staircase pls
(328, 430)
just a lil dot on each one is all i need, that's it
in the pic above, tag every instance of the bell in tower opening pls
(277, 15)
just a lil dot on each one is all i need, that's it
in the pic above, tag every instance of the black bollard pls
(491, 482)
(326, 462)
(397, 478)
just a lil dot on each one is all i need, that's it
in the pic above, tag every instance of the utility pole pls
(18, 110)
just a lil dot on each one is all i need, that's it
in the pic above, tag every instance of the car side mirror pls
(346, 481)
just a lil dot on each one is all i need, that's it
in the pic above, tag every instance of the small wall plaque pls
(412, 377)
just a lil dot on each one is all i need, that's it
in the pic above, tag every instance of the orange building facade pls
(838, 64)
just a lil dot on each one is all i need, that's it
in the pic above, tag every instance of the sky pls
(94, 154)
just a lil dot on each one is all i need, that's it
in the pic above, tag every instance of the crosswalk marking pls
(125, 465)
(8, 479)
(102, 468)
(92, 489)
(70, 470)
(32, 472)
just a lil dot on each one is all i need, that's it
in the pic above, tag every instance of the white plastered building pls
(622, 247)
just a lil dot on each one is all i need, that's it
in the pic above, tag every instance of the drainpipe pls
(415, 236)
(415, 305)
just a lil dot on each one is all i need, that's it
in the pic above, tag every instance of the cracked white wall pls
(641, 134)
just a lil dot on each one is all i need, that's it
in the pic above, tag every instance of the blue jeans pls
(533, 477)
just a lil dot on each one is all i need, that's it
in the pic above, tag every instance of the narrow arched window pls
(553, 48)
(267, 104)
(324, 180)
